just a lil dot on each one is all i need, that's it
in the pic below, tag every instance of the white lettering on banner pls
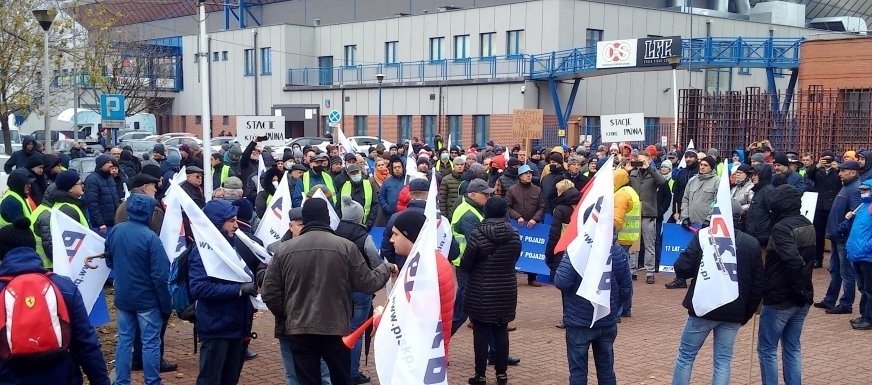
(538, 240)
(250, 127)
(658, 49)
(79, 243)
(623, 128)
(538, 256)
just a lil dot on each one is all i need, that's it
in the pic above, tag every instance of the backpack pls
(180, 290)
(34, 320)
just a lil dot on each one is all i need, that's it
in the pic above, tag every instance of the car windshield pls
(141, 146)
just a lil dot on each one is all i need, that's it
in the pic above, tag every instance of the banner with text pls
(250, 127)
(655, 51)
(622, 128)
(675, 239)
(616, 53)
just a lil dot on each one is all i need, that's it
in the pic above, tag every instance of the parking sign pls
(112, 110)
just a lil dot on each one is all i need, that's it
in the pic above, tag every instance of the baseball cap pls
(524, 169)
(479, 186)
(850, 165)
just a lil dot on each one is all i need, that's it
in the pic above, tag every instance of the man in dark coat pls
(825, 181)
(757, 219)
(19, 158)
(38, 183)
(526, 206)
(682, 176)
(101, 195)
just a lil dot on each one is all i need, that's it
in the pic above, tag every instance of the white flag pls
(277, 216)
(334, 218)
(443, 226)
(590, 251)
(61, 136)
(219, 257)
(683, 163)
(409, 344)
(78, 243)
(256, 249)
(345, 145)
(181, 176)
(412, 165)
(450, 142)
(172, 231)
(261, 168)
(717, 282)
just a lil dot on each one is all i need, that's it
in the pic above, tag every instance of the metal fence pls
(810, 120)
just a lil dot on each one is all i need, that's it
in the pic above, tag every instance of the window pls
(744, 71)
(514, 42)
(436, 48)
(857, 108)
(215, 56)
(360, 125)
(428, 126)
(184, 123)
(249, 62)
(461, 47)
(391, 52)
(455, 125)
(592, 128)
(223, 55)
(746, 53)
(198, 119)
(718, 80)
(350, 55)
(225, 120)
(265, 61)
(486, 44)
(405, 125)
(592, 37)
(196, 58)
(480, 129)
(652, 130)
(325, 70)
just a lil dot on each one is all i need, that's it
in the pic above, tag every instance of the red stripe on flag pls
(571, 231)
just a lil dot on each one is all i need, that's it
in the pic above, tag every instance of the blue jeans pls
(149, 323)
(291, 370)
(696, 330)
(362, 305)
(579, 341)
(841, 277)
(220, 361)
(783, 325)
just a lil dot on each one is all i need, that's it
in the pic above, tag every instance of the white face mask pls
(865, 194)
(288, 165)
(444, 157)
(356, 178)
(275, 184)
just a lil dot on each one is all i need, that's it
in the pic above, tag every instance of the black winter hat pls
(711, 162)
(66, 180)
(409, 223)
(496, 207)
(16, 235)
(152, 169)
(315, 210)
(782, 159)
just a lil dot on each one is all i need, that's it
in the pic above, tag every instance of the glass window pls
(249, 62)
(428, 126)
(405, 125)
(436, 48)
(196, 58)
(592, 128)
(652, 130)
(514, 42)
(215, 56)
(391, 52)
(325, 70)
(480, 129)
(265, 61)
(198, 119)
(223, 55)
(486, 44)
(461, 47)
(360, 125)
(350, 53)
(592, 37)
(455, 126)
(225, 120)
(718, 80)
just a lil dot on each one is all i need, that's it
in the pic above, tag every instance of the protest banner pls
(675, 239)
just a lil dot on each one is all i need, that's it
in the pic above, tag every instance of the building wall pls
(836, 64)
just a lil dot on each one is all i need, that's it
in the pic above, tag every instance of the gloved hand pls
(249, 288)
(685, 223)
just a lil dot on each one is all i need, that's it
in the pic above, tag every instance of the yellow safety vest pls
(670, 183)
(632, 229)
(225, 173)
(34, 216)
(25, 208)
(328, 181)
(367, 195)
(455, 219)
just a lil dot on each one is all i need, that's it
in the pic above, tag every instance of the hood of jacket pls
(868, 155)
(266, 180)
(497, 230)
(27, 141)
(785, 200)
(621, 178)
(402, 161)
(34, 161)
(765, 174)
(140, 208)
(17, 180)
(569, 197)
(20, 260)
(219, 211)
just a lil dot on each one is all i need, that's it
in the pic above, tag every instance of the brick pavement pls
(645, 350)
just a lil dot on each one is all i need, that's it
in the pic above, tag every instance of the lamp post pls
(46, 17)
(380, 77)
(674, 61)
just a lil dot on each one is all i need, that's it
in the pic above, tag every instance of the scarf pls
(380, 176)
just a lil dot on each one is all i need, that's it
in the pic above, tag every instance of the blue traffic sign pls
(334, 117)
(112, 107)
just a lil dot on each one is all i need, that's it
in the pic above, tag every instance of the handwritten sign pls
(250, 127)
(527, 123)
(623, 128)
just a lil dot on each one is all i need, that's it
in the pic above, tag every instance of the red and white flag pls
(277, 216)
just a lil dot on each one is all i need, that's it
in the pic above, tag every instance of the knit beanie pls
(66, 180)
(16, 235)
(101, 160)
(666, 164)
(49, 161)
(409, 223)
(556, 158)
(782, 159)
(244, 211)
(711, 161)
(496, 207)
(152, 169)
(315, 210)
(351, 210)
(758, 157)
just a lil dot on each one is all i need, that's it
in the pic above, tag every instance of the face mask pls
(317, 169)
(444, 157)
(356, 178)
(866, 194)
(275, 184)
(288, 165)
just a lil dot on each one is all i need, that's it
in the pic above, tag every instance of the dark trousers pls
(220, 361)
(137, 342)
(531, 277)
(659, 245)
(820, 229)
(482, 334)
(310, 349)
(602, 340)
(863, 274)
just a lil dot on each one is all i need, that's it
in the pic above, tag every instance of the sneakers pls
(823, 305)
(360, 378)
(862, 325)
(477, 380)
(560, 326)
(502, 379)
(649, 279)
(856, 320)
(511, 328)
(839, 309)
(249, 354)
(678, 283)
(165, 366)
(511, 360)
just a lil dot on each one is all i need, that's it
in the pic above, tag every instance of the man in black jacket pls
(723, 321)
(788, 289)
(826, 182)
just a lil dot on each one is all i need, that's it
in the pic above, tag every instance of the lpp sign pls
(112, 109)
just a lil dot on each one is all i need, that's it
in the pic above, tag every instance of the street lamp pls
(674, 61)
(46, 17)
(380, 77)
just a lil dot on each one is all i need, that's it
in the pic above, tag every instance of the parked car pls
(3, 175)
(142, 148)
(180, 140)
(132, 135)
(217, 141)
(84, 166)
(362, 143)
(63, 146)
(304, 141)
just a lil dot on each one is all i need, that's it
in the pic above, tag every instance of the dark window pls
(360, 125)
(592, 36)
(480, 129)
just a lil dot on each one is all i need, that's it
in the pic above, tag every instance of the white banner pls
(590, 251)
(683, 163)
(443, 226)
(717, 282)
(622, 128)
(69, 261)
(276, 219)
(181, 176)
(345, 145)
(256, 249)
(616, 53)
(172, 231)
(250, 127)
(809, 205)
(409, 344)
(261, 168)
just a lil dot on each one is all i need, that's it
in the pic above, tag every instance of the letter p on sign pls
(112, 107)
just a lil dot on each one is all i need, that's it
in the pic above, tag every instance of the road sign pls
(334, 117)
(112, 110)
